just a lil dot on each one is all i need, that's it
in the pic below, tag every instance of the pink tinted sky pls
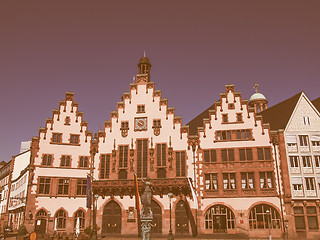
(196, 47)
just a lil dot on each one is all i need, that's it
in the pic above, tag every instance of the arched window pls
(262, 215)
(61, 219)
(41, 214)
(219, 218)
(81, 215)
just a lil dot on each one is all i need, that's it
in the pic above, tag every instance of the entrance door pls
(41, 222)
(182, 221)
(111, 219)
(157, 218)
(219, 223)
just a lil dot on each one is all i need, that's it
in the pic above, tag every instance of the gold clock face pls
(140, 124)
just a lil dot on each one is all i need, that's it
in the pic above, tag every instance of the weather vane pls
(256, 87)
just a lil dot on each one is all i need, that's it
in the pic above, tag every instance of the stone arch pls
(41, 219)
(157, 217)
(264, 214)
(181, 219)
(219, 217)
(111, 218)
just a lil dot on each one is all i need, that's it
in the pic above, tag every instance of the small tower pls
(258, 101)
(144, 66)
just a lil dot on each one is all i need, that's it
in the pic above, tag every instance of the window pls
(262, 216)
(81, 186)
(317, 161)
(266, 180)
(297, 187)
(142, 158)
(264, 154)
(57, 137)
(180, 164)
(315, 140)
(291, 140)
(243, 134)
(229, 181)
(156, 123)
(211, 181)
(65, 161)
(312, 218)
(67, 121)
(47, 159)
(306, 121)
(245, 154)
(84, 162)
(224, 118)
(210, 155)
(74, 138)
(303, 139)
(294, 161)
(223, 135)
(258, 108)
(227, 155)
(140, 109)
(247, 180)
(44, 185)
(216, 213)
(310, 183)
(239, 117)
(124, 125)
(79, 214)
(123, 156)
(105, 166)
(306, 160)
(63, 186)
(161, 154)
(299, 218)
(61, 219)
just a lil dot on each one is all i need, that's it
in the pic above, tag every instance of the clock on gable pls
(140, 124)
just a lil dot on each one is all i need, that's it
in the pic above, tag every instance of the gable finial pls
(256, 87)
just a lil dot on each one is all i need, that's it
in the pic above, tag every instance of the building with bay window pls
(296, 123)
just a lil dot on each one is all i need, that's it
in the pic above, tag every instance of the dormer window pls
(230, 106)
(141, 109)
(74, 138)
(57, 137)
(239, 117)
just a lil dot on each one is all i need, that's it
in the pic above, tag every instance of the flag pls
(194, 196)
(89, 192)
(136, 192)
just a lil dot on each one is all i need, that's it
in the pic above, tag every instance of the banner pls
(136, 192)
(89, 191)
(194, 196)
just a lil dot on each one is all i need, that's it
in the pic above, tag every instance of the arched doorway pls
(264, 215)
(111, 219)
(157, 218)
(182, 221)
(219, 218)
(41, 222)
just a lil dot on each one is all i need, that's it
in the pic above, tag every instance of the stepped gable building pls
(5, 176)
(143, 137)
(235, 169)
(295, 122)
(59, 167)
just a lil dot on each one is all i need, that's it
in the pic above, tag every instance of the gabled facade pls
(59, 167)
(236, 169)
(296, 123)
(5, 175)
(143, 137)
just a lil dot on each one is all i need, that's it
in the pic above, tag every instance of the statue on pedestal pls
(146, 213)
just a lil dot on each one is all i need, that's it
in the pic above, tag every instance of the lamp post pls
(170, 237)
(268, 220)
(95, 216)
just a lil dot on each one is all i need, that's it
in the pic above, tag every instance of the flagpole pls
(136, 191)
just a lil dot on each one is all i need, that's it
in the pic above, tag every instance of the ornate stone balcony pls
(269, 192)
(125, 187)
(311, 193)
(316, 148)
(293, 148)
(295, 170)
(298, 193)
(308, 170)
(304, 149)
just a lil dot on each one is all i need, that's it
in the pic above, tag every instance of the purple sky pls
(195, 47)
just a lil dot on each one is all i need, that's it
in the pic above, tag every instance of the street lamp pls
(268, 220)
(96, 196)
(170, 237)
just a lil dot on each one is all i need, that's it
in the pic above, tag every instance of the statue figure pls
(146, 213)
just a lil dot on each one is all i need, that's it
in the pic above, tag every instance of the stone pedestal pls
(146, 225)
